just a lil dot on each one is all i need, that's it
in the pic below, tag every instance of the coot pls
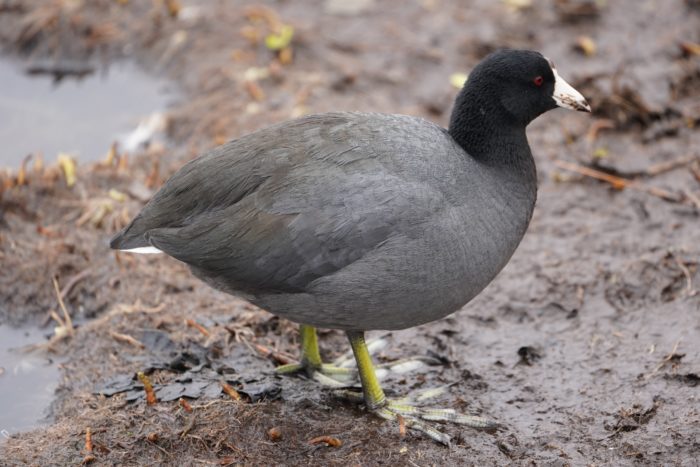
(362, 221)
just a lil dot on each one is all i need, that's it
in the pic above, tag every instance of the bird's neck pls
(488, 132)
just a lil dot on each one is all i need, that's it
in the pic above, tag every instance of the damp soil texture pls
(585, 348)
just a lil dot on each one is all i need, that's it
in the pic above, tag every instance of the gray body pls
(345, 220)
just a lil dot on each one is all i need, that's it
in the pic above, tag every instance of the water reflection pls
(80, 114)
(28, 381)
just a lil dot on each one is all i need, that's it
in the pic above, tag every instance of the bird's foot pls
(324, 373)
(415, 418)
(342, 372)
(311, 364)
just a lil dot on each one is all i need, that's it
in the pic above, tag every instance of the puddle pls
(81, 116)
(28, 381)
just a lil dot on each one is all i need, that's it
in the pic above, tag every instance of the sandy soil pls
(585, 347)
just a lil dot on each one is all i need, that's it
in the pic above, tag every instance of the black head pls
(519, 85)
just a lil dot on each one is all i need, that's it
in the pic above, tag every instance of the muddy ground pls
(585, 348)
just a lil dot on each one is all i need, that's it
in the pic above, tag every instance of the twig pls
(193, 324)
(111, 155)
(328, 440)
(138, 307)
(127, 339)
(155, 444)
(269, 353)
(188, 426)
(618, 183)
(596, 126)
(666, 359)
(117, 310)
(153, 178)
(88, 440)
(22, 174)
(662, 167)
(228, 389)
(67, 319)
(402, 425)
(53, 315)
(89, 457)
(148, 387)
(686, 273)
(74, 280)
(185, 405)
(55, 339)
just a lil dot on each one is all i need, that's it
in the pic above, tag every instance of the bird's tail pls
(128, 242)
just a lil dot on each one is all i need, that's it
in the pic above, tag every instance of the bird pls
(365, 221)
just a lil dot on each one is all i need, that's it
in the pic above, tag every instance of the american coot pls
(361, 221)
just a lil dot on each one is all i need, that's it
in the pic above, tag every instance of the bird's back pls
(341, 220)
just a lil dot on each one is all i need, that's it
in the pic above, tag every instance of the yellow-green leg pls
(341, 371)
(373, 394)
(376, 401)
(310, 361)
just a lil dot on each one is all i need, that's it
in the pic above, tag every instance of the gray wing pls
(281, 207)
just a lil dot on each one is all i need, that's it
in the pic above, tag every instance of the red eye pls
(538, 81)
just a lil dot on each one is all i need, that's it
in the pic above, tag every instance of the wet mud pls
(585, 348)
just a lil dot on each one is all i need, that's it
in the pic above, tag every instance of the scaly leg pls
(376, 401)
(311, 363)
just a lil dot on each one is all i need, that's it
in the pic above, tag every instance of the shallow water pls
(28, 381)
(78, 116)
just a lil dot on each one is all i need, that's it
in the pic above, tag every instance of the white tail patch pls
(143, 250)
